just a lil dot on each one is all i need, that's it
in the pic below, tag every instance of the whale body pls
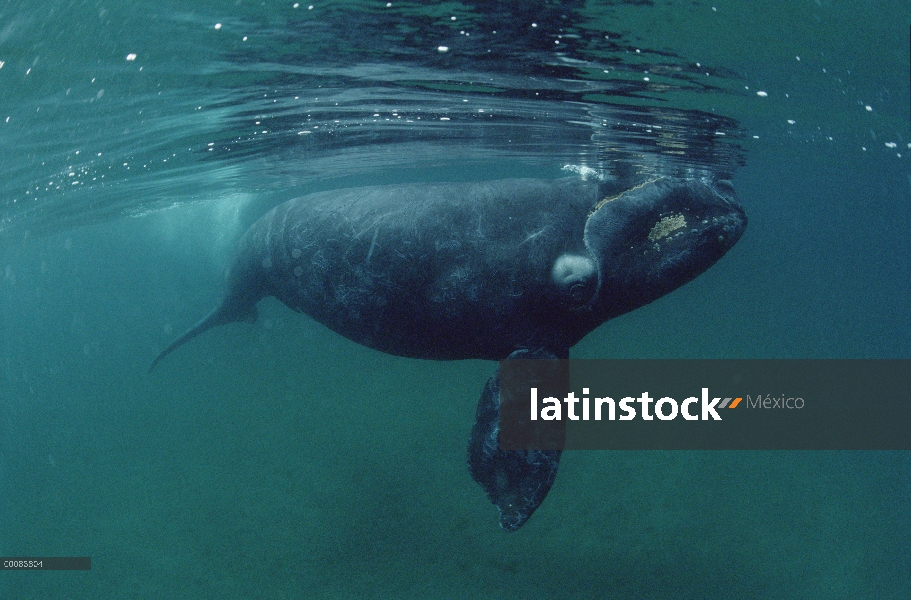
(484, 270)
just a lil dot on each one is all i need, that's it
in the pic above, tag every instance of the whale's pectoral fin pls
(516, 481)
(223, 313)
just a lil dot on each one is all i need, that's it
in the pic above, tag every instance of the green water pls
(279, 460)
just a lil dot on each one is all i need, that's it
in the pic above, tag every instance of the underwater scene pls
(317, 432)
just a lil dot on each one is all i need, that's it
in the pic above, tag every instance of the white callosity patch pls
(665, 226)
(571, 268)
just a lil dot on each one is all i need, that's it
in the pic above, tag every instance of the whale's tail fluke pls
(221, 315)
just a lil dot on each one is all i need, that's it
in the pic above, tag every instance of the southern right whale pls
(484, 270)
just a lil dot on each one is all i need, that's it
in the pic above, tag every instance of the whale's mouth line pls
(669, 219)
(656, 237)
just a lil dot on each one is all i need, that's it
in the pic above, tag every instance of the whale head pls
(646, 242)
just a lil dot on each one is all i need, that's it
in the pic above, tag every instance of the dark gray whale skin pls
(480, 270)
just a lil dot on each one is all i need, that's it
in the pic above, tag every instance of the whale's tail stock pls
(222, 314)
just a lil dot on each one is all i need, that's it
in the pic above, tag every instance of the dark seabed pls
(279, 460)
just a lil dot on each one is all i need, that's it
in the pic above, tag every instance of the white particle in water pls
(131, 56)
(218, 26)
(442, 48)
(762, 94)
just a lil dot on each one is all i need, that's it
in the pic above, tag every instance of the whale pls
(494, 270)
